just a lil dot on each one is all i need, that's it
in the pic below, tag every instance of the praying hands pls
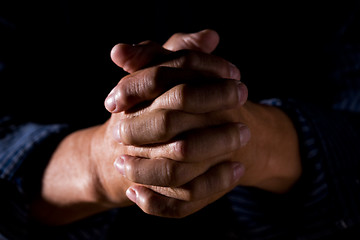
(181, 135)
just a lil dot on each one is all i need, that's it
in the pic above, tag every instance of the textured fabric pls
(330, 170)
(17, 143)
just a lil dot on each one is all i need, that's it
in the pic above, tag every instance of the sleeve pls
(18, 144)
(324, 202)
(25, 149)
(328, 193)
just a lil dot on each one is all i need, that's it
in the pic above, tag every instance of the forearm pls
(98, 185)
(71, 189)
(271, 157)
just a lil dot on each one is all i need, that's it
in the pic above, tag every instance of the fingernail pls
(238, 171)
(234, 72)
(110, 103)
(119, 165)
(244, 134)
(243, 93)
(131, 194)
(114, 102)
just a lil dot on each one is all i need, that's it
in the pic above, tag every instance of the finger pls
(219, 178)
(197, 145)
(160, 171)
(156, 204)
(180, 202)
(146, 85)
(204, 98)
(157, 126)
(133, 57)
(207, 64)
(149, 83)
(204, 41)
(183, 108)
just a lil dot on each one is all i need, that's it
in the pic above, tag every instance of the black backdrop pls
(55, 64)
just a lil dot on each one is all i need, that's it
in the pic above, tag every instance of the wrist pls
(271, 157)
(109, 185)
(72, 185)
(69, 174)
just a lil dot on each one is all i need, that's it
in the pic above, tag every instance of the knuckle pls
(158, 72)
(177, 35)
(150, 205)
(131, 172)
(163, 123)
(181, 150)
(122, 93)
(225, 176)
(154, 77)
(186, 59)
(231, 94)
(126, 132)
(191, 59)
(233, 137)
(170, 176)
(191, 41)
(177, 97)
(164, 208)
(144, 84)
(159, 206)
(188, 194)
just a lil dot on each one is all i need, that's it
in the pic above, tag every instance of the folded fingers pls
(182, 201)
(196, 145)
(183, 67)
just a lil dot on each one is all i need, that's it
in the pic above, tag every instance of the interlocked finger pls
(160, 171)
(197, 145)
(149, 83)
(180, 202)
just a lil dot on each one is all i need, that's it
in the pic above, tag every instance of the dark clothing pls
(55, 72)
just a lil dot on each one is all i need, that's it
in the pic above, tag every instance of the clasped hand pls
(175, 126)
(178, 136)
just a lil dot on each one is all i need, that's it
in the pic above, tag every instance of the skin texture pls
(181, 135)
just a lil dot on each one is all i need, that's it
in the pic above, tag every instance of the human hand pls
(176, 167)
(80, 179)
(271, 158)
(135, 57)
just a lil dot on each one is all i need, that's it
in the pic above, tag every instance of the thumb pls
(204, 41)
(134, 57)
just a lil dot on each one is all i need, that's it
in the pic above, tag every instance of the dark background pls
(55, 64)
(55, 61)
